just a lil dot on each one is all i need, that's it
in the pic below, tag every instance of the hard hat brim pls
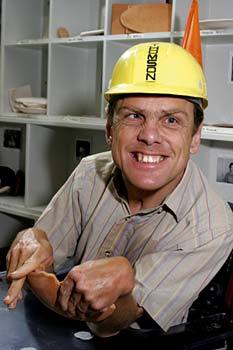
(125, 89)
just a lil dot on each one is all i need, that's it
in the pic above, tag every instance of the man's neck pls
(140, 200)
(138, 205)
(145, 200)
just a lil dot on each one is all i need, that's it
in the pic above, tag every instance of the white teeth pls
(144, 158)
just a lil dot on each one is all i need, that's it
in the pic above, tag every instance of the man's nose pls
(150, 132)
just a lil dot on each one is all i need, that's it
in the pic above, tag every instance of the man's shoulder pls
(197, 196)
(209, 202)
(99, 164)
(99, 157)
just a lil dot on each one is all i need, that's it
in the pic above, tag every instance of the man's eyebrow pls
(130, 108)
(173, 110)
(164, 111)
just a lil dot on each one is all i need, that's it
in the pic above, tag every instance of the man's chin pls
(144, 187)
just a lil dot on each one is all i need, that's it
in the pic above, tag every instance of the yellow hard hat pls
(158, 68)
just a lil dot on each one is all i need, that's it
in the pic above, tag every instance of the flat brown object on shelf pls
(147, 18)
(62, 32)
(140, 18)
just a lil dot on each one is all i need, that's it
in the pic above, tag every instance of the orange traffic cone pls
(192, 37)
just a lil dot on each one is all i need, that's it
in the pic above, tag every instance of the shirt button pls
(107, 253)
(159, 211)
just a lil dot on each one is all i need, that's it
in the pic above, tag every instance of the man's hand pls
(93, 287)
(75, 310)
(29, 251)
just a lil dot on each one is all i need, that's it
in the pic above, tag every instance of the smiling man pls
(151, 140)
(139, 226)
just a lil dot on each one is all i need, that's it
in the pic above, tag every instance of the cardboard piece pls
(140, 18)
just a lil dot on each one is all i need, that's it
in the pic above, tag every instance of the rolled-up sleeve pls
(61, 220)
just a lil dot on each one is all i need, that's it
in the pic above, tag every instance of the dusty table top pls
(31, 326)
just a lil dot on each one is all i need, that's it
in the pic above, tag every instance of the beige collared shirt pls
(175, 249)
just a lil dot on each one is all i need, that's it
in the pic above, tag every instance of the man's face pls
(151, 140)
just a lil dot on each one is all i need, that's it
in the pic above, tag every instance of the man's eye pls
(132, 119)
(134, 116)
(171, 120)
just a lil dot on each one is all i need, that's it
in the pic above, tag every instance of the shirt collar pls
(175, 204)
(179, 200)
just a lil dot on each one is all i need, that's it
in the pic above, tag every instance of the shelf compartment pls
(25, 66)
(24, 19)
(214, 158)
(51, 157)
(11, 224)
(133, 2)
(208, 9)
(76, 16)
(218, 71)
(75, 79)
(12, 146)
(12, 155)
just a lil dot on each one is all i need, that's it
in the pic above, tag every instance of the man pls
(140, 226)
(229, 175)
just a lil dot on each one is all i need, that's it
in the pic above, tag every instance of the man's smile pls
(147, 158)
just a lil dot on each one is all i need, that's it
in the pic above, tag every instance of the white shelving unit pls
(73, 72)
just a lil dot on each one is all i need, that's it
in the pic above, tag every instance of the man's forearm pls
(127, 311)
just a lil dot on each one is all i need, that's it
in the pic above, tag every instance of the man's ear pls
(196, 140)
(108, 133)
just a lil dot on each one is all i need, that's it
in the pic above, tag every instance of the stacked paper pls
(31, 105)
(21, 100)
